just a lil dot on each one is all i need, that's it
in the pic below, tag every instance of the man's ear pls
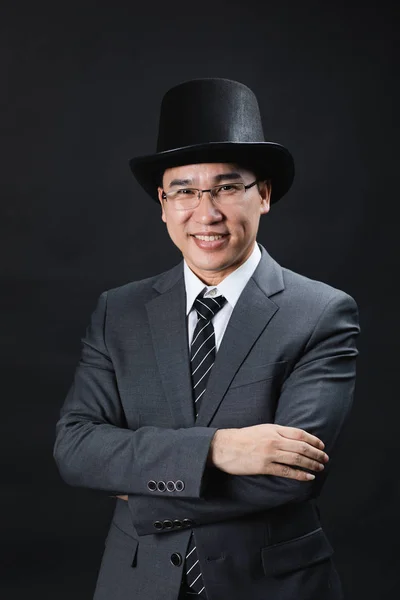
(265, 188)
(161, 200)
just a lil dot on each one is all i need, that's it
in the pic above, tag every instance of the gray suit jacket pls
(127, 427)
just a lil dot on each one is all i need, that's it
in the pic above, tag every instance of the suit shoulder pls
(133, 287)
(141, 291)
(315, 291)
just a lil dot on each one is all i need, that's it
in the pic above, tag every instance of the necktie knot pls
(206, 308)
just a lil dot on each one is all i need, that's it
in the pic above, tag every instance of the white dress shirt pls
(231, 287)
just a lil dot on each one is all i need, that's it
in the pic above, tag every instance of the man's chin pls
(211, 267)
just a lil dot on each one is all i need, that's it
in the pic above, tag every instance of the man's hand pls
(267, 450)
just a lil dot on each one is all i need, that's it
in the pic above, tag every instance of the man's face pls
(237, 223)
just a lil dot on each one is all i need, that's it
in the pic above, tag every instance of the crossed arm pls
(227, 473)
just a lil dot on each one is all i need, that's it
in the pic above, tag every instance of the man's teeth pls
(208, 238)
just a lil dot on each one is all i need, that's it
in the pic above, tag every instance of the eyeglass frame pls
(210, 190)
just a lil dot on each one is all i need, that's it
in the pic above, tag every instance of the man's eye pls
(186, 192)
(228, 188)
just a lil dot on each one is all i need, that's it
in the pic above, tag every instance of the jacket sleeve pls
(94, 448)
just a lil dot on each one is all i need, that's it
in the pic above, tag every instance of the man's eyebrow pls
(180, 182)
(229, 176)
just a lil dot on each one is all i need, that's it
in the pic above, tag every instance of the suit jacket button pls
(168, 524)
(176, 559)
(152, 486)
(177, 523)
(171, 486)
(161, 486)
(179, 485)
(158, 525)
(187, 522)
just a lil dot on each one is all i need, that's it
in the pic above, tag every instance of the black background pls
(81, 86)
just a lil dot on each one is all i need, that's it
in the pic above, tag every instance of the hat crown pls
(201, 111)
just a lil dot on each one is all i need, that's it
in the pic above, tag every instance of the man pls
(209, 398)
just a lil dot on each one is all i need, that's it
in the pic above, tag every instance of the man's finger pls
(304, 449)
(289, 473)
(294, 433)
(298, 460)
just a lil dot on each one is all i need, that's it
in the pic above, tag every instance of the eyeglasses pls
(189, 198)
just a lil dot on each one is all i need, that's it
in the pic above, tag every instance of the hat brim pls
(267, 159)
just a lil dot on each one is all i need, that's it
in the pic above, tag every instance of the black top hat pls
(213, 120)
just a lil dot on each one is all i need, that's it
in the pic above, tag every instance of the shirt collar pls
(231, 287)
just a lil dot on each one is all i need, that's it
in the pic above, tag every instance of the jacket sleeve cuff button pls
(179, 485)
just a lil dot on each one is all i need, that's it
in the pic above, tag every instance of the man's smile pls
(209, 241)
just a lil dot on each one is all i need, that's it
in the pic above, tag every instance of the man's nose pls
(207, 211)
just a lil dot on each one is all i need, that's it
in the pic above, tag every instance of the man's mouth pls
(208, 238)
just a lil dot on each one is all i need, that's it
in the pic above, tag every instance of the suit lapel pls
(167, 319)
(249, 319)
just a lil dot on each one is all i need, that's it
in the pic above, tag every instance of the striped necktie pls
(202, 357)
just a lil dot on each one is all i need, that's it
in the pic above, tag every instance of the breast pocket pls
(252, 396)
(252, 374)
